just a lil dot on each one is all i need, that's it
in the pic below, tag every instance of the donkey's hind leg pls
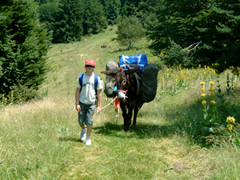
(136, 109)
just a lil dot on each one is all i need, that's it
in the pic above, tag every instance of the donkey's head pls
(121, 77)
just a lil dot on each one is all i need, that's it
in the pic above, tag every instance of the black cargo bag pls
(149, 82)
(110, 81)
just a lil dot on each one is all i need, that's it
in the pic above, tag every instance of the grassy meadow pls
(40, 139)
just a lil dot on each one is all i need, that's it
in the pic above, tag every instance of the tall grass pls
(40, 139)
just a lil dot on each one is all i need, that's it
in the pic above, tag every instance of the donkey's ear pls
(110, 73)
(128, 71)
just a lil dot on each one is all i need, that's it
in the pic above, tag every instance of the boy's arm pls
(78, 108)
(99, 91)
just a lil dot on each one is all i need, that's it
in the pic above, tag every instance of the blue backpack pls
(138, 60)
(80, 78)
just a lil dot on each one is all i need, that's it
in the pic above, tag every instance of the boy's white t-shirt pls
(87, 94)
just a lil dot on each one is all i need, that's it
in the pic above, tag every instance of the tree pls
(111, 10)
(212, 21)
(48, 14)
(46, 1)
(94, 19)
(24, 43)
(68, 25)
(220, 32)
(129, 30)
(129, 9)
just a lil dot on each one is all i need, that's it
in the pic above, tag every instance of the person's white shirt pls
(87, 93)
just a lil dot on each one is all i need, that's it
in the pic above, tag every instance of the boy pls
(86, 100)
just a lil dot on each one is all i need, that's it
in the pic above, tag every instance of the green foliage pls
(129, 8)
(129, 30)
(48, 14)
(219, 129)
(111, 10)
(46, 1)
(68, 22)
(24, 42)
(94, 20)
(218, 31)
(216, 23)
(176, 55)
(147, 12)
(71, 19)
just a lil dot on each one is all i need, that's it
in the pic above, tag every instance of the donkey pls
(129, 93)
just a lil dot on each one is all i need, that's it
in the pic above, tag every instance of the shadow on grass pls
(185, 119)
(141, 131)
(69, 138)
(178, 120)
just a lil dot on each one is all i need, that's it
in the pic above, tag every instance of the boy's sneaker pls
(88, 142)
(83, 134)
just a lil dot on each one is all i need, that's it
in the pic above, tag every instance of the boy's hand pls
(78, 107)
(98, 109)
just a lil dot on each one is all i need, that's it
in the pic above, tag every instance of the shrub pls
(129, 30)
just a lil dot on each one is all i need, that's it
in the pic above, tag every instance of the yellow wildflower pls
(204, 102)
(211, 89)
(230, 119)
(212, 102)
(212, 94)
(5, 101)
(229, 126)
(211, 83)
(202, 88)
(202, 83)
(203, 95)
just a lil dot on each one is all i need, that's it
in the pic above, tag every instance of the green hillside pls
(40, 139)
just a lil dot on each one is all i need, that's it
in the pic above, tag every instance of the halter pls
(125, 92)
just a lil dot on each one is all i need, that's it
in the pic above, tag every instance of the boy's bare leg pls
(117, 110)
(89, 130)
(82, 126)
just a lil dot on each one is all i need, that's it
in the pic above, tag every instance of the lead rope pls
(97, 112)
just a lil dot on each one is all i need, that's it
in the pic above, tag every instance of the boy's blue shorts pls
(85, 116)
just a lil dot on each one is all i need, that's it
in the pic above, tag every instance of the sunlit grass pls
(40, 139)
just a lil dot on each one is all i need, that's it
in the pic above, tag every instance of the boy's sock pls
(83, 134)
(88, 137)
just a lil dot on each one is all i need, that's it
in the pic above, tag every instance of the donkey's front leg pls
(124, 113)
(128, 119)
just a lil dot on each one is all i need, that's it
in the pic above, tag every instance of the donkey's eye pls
(124, 82)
